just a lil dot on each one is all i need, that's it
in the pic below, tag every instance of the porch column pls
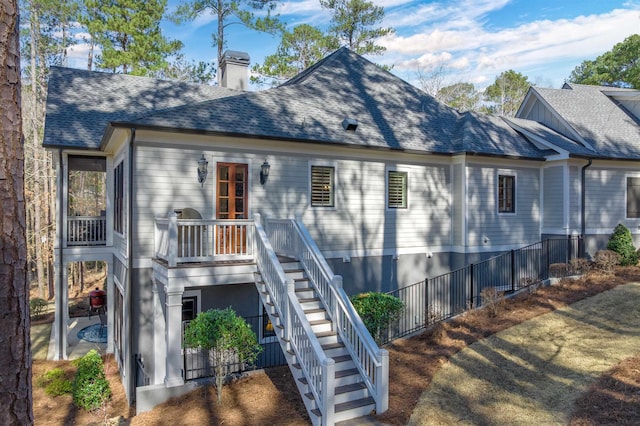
(159, 342)
(110, 307)
(173, 338)
(61, 319)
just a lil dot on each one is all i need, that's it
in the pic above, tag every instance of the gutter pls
(61, 191)
(583, 198)
(129, 305)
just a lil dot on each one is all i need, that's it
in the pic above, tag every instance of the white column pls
(61, 321)
(173, 338)
(159, 342)
(110, 306)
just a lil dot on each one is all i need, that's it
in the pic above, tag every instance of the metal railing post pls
(471, 282)
(513, 270)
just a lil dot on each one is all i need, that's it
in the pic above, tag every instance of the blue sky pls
(471, 40)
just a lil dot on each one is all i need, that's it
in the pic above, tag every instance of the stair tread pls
(328, 346)
(314, 310)
(341, 358)
(350, 388)
(320, 322)
(326, 333)
(348, 405)
(344, 406)
(309, 299)
(347, 372)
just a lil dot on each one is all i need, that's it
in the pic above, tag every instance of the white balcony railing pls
(86, 230)
(197, 240)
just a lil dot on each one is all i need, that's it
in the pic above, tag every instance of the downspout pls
(583, 222)
(131, 364)
(60, 249)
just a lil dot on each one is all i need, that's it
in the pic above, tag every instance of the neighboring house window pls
(397, 189)
(633, 197)
(322, 186)
(506, 194)
(118, 208)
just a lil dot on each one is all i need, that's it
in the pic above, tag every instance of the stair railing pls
(318, 369)
(291, 237)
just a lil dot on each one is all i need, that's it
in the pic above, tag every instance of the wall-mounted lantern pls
(202, 170)
(264, 172)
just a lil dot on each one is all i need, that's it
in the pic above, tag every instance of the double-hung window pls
(397, 189)
(506, 194)
(633, 197)
(323, 186)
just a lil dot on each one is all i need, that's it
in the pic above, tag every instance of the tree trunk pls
(15, 348)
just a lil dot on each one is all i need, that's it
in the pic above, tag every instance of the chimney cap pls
(235, 56)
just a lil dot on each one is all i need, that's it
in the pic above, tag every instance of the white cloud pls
(479, 54)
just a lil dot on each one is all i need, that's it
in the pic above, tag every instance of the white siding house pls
(391, 186)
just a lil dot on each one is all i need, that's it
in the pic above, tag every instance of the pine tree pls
(129, 34)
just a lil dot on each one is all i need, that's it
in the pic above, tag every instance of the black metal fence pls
(442, 297)
(199, 363)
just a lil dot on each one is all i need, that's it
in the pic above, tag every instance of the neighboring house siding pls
(545, 116)
(488, 228)
(606, 200)
(553, 199)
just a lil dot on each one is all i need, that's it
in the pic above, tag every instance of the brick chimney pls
(233, 71)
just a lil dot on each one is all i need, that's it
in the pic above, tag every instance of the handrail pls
(291, 236)
(318, 369)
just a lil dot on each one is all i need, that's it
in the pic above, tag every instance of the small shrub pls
(558, 270)
(621, 242)
(606, 260)
(377, 311)
(90, 388)
(55, 383)
(492, 300)
(38, 307)
(579, 266)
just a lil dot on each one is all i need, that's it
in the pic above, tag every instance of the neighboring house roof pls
(80, 103)
(598, 120)
(311, 107)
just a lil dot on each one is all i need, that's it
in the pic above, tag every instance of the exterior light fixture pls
(264, 172)
(202, 170)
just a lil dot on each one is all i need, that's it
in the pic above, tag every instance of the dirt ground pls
(271, 397)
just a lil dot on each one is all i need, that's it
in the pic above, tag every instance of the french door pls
(231, 204)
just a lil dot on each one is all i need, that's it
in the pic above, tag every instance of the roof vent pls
(350, 124)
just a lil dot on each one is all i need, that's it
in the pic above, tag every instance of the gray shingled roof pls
(550, 135)
(598, 119)
(80, 103)
(391, 113)
(311, 107)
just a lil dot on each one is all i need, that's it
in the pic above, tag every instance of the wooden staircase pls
(352, 396)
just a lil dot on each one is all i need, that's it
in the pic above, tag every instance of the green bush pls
(226, 336)
(622, 243)
(38, 307)
(90, 387)
(54, 382)
(377, 311)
